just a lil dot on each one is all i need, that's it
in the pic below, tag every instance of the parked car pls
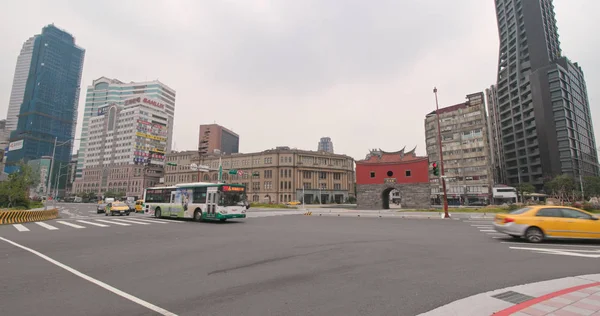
(538, 222)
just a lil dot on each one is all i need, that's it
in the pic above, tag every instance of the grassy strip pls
(32, 205)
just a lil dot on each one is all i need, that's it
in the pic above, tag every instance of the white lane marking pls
(151, 221)
(487, 230)
(110, 222)
(563, 252)
(70, 224)
(161, 220)
(92, 223)
(480, 222)
(131, 222)
(552, 245)
(21, 228)
(50, 227)
(99, 283)
(476, 225)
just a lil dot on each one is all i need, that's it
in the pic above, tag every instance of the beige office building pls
(466, 151)
(273, 176)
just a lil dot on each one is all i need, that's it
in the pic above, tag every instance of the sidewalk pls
(574, 296)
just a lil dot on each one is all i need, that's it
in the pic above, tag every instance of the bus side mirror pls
(248, 206)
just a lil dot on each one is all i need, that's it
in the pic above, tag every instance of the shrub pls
(513, 207)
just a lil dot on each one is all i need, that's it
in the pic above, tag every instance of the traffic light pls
(434, 167)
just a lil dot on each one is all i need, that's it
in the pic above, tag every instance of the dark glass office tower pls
(541, 103)
(49, 108)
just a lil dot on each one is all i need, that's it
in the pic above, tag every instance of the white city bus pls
(199, 200)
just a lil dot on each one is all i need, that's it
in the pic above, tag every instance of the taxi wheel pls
(534, 235)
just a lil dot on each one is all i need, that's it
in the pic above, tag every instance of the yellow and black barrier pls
(13, 217)
(308, 213)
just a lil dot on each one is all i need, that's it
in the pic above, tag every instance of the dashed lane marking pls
(151, 221)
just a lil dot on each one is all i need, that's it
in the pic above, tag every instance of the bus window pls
(199, 195)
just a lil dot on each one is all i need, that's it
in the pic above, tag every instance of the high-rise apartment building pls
(105, 90)
(541, 108)
(326, 145)
(466, 151)
(220, 139)
(48, 111)
(126, 147)
(17, 92)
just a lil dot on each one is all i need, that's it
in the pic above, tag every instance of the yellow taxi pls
(119, 208)
(293, 203)
(139, 206)
(536, 223)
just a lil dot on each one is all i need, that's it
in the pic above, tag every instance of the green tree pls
(591, 186)
(561, 187)
(523, 188)
(15, 190)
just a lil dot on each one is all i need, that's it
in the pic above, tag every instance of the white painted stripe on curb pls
(21, 228)
(92, 280)
(70, 224)
(487, 230)
(131, 222)
(115, 223)
(92, 223)
(50, 227)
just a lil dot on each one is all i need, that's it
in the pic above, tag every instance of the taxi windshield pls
(118, 204)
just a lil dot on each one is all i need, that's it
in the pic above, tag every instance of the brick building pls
(382, 172)
(273, 176)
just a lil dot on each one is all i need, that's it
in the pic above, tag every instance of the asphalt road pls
(271, 265)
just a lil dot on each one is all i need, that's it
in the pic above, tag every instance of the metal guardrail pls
(13, 217)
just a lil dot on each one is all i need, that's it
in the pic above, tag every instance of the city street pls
(265, 265)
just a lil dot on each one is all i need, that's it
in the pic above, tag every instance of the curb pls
(13, 217)
(488, 303)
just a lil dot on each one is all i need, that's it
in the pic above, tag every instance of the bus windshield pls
(231, 199)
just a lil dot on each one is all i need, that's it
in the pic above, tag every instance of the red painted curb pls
(521, 306)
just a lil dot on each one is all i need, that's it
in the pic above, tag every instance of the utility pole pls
(49, 183)
(442, 177)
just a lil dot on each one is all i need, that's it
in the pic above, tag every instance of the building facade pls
(17, 93)
(48, 112)
(466, 152)
(220, 139)
(126, 148)
(273, 176)
(534, 100)
(398, 176)
(105, 91)
(325, 144)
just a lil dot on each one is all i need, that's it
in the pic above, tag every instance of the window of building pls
(322, 175)
(306, 185)
(306, 174)
(337, 186)
(256, 186)
(337, 176)
(268, 174)
(268, 185)
(407, 173)
(372, 174)
(268, 160)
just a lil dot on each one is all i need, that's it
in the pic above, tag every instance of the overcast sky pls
(285, 73)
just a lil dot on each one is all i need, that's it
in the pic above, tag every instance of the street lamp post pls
(442, 177)
(49, 186)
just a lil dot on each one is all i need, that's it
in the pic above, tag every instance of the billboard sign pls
(15, 145)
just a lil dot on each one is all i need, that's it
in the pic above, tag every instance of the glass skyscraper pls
(104, 91)
(48, 110)
(539, 108)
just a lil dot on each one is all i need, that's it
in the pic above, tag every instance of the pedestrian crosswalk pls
(88, 223)
(484, 225)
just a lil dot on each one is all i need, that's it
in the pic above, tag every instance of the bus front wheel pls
(198, 215)
(157, 212)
